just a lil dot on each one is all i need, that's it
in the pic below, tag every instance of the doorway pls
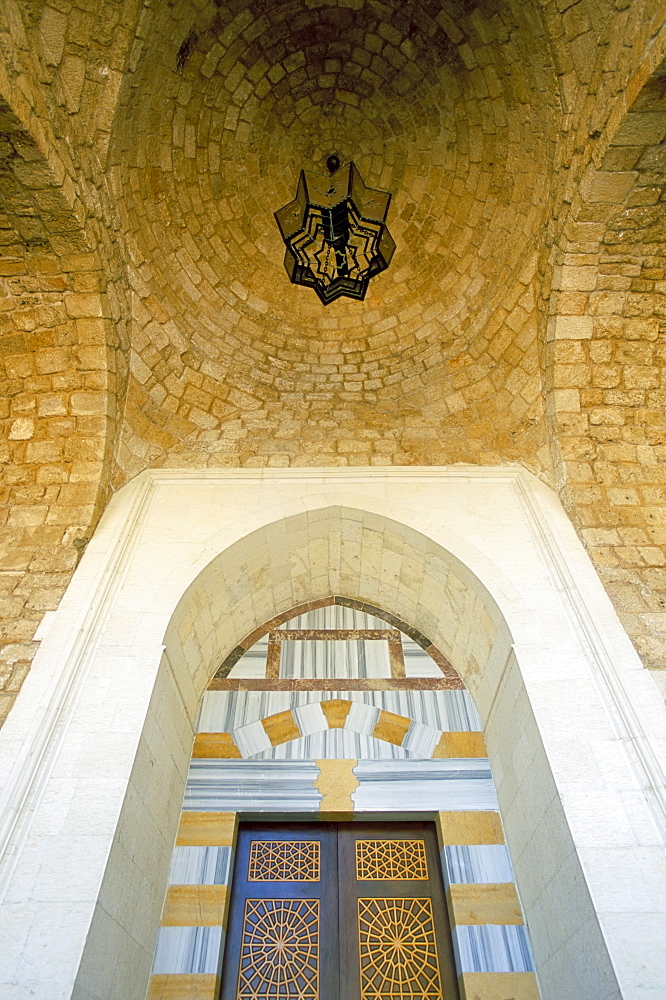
(338, 911)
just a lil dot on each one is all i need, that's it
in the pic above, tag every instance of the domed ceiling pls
(448, 107)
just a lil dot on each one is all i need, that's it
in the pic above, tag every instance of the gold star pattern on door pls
(284, 861)
(390, 860)
(279, 954)
(398, 950)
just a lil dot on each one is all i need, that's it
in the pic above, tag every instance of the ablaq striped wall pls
(342, 754)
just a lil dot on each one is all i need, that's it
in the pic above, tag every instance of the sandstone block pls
(608, 187)
(81, 305)
(88, 403)
(22, 429)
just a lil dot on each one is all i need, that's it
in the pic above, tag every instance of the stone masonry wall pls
(607, 349)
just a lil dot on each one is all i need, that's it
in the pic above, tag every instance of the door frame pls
(343, 887)
(457, 828)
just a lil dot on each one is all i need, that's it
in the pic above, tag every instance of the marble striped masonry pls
(258, 753)
(445, 711)
(384, 785)
(492, 948)
(256, 738)
(200, 866)
(188, 950)
(465, 864)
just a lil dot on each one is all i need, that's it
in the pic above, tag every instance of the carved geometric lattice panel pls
(284, 861)
(398, 950)
(279, 954)
(390, 860)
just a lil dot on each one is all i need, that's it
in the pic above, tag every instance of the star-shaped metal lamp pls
(335, 233)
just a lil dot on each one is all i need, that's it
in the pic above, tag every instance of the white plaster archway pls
(186, 564)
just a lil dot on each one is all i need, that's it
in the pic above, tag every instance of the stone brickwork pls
(143, 151)
(63, 311)
(232, 365)
(55, 379)
(607, 361)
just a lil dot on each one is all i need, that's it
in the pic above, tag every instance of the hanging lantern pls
(335, 233)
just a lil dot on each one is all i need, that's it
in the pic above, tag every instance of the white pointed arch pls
(186, 564)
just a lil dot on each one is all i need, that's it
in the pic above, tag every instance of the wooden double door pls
(338, 911)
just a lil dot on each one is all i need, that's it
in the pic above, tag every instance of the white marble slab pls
(476, 863)
(252, 786)
(427, 785)
(341, 658)
(492, 948)
(188, 950)
(200, 866)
